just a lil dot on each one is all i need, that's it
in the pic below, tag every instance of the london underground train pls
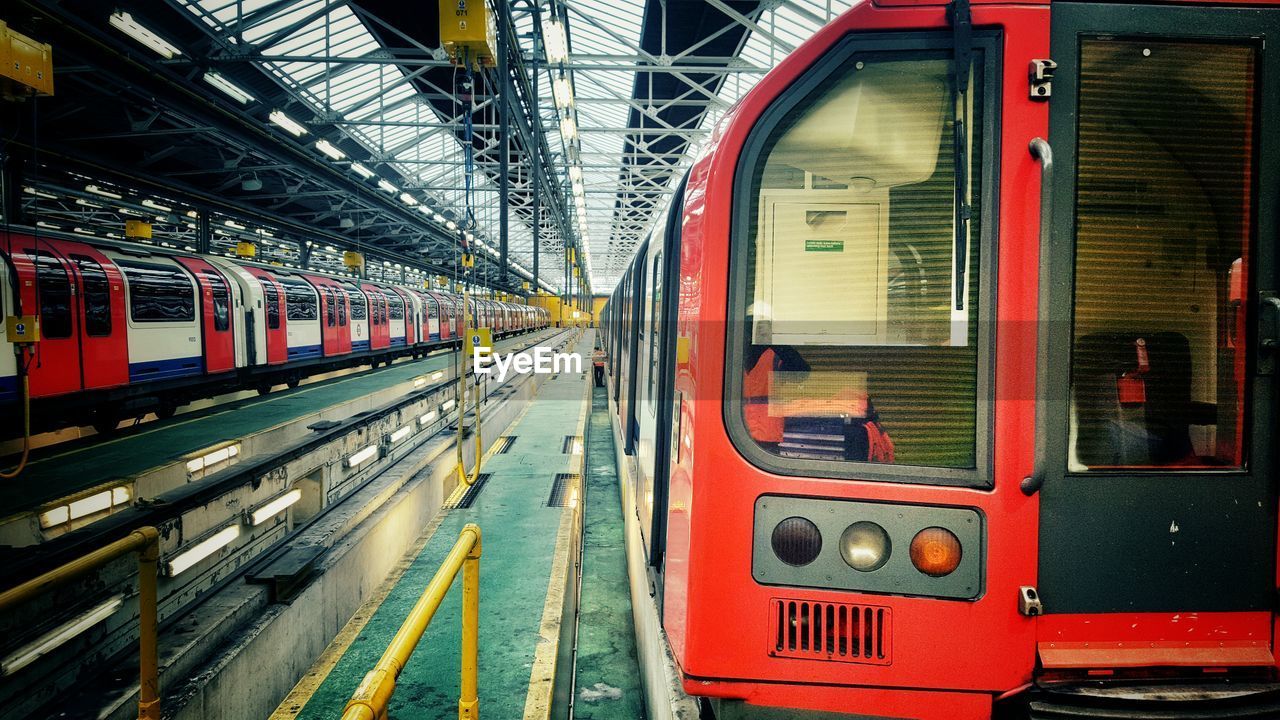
(948, 380)
(126, 329)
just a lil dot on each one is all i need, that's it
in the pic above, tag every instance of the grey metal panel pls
(897, 576)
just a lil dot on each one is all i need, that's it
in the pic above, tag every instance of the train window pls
(1163, 223)
(859, 294)
(655, 308)
(358, 308)
(330, 308)
(96, 296)
(272, 300)
(397, 306)
(340, 299)
(54, 288)
(158, 293)
(300, 301)
(221, 300)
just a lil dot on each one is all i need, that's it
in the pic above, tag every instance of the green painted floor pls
(519, 537)
(66, 470)
(608, 675)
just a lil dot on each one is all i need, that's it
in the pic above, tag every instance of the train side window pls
(96, 296)
(221, 301)
(858, 282)
(300, 300)
(158, 293)
(330, 308)
(397, 306)
(358, 309)
(340, 298)
(272, 300)
(55, 294)
(655, 324)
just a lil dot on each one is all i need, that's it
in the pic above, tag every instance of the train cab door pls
(1158, 504)
(104, 345)
(49, 289)
(215, 315)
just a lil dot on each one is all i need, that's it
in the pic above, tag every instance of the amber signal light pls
(936, 551)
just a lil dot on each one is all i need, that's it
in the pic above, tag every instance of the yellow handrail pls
(371, 698)
(146, 542)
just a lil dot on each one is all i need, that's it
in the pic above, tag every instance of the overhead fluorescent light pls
(408, 199)
(234, 224)
(362, 455)
(328, 148)
(568, 130)
(104, 193)
(401, 434)
(555, 42)
(148, 202)
(86, 203)
(562, 91)
(382, 183)
(59, 636)
(361, 170)
(438, 217)
(451, 225)
(39, 193)
(228, 88)
(201, 550)
(125, 23)
(575, 173)
(275, 507)
(293, 127)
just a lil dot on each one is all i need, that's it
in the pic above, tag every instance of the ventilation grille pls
(564, 490)
(469, 495)
(572, 445)
(830, 631)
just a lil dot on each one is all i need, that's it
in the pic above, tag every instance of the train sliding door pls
(1158, 508)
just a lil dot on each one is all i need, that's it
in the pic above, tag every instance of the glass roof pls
(326, 56)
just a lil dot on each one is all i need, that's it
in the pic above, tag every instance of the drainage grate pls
(504, 444)
(830, 631)
(564, 490)
(572, 445)
(471, 493)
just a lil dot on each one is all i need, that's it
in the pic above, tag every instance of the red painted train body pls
(126, 329)
(949, 377)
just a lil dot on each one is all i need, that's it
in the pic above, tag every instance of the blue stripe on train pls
(359, 345)
(165, 369)
(306, 351)
(8, 389)
(397, 342)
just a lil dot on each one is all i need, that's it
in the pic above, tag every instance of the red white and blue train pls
(127, 329)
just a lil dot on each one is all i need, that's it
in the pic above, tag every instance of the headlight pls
(935, 551)
(796, 541)
(865, 546)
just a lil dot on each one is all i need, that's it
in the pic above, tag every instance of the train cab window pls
(158, 293)
(1163, 225)
(96, 296)
(299, 300)
(857, 271)
(54, 289)
(221, 300)
(272, 300)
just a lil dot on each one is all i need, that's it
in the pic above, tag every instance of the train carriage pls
(970, 368)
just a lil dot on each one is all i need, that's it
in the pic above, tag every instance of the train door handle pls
(1042, 152)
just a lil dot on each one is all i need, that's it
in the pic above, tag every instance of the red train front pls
(949, 379)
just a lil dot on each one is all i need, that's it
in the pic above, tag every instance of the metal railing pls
(146, 542)
(371, 698)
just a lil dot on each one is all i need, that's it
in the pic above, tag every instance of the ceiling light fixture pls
(228, 88)
(293, 127)
(125, 23)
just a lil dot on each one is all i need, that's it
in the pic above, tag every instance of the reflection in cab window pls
(1165, 166)
(221, 300)
(861, 299)
(158, 293)
(271, 298)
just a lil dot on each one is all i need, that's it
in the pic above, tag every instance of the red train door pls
(104, 342)
(273, 306)
(342, 304)
(215, 315)
(1158, 504)
(379, 322)
(330, 330)
(48, 289)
